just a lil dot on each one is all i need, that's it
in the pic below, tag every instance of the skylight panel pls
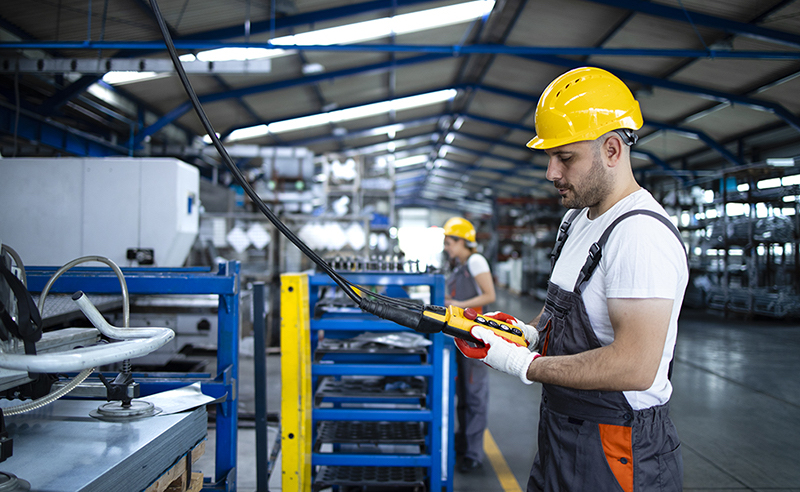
(341, 115)
(410, 161)
(348, 34)
(122, 78)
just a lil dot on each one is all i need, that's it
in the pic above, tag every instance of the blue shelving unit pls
(434, 408)
(224, 283)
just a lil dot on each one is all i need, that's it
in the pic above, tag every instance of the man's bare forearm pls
(629, 363)
(601, 369)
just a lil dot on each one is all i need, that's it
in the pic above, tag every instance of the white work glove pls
(504, 355)
(530, 333)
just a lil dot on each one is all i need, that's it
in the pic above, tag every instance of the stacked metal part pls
(103, 455)
(376, 263)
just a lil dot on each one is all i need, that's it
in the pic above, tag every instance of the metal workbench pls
(60, 448)
(198, 281)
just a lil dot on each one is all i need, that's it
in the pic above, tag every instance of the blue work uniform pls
(594, 440)
(472, 382)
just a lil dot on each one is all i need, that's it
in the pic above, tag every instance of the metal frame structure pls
(298, 300)
(224, 384)
(296, 434)
(479, 48)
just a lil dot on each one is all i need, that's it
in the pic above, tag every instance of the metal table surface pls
(61, 448)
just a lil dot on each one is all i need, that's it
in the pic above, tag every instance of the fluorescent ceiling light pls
(234, 54)
(769, 183)
(122, 78)
(410, 161)
(781, 162)
(347, 34)
(312, 68)
(341, 115)
(244, 133)
(399, 24)
(388, 130)
(373, 149)
(791, 180)
(361, 31)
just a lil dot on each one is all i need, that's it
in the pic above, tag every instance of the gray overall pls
(594, 440)
(472, 383)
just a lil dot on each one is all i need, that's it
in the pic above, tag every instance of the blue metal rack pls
(224, 283)
(438, 368)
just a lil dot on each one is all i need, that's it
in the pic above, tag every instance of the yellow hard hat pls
(460, 227)
(583, 104)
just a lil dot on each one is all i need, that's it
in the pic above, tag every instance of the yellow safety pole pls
(295, 384)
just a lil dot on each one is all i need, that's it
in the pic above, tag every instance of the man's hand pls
(504, 355)
(530, 333)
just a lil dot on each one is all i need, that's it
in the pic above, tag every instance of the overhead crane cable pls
(347, 286)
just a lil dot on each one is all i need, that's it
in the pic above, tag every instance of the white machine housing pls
(53, 210)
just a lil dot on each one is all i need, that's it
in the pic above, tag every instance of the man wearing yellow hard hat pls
(608, 328)
(469, 285)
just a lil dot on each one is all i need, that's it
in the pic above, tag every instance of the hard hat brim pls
(535, 143)
(633, 121)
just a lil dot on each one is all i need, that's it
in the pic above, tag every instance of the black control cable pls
(404, 312)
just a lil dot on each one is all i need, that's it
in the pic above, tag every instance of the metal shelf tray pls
(370, 478)
(339, 347)
(349, 432)
(359, 389)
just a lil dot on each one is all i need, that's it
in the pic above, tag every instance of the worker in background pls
(606, 334)
(469, 285)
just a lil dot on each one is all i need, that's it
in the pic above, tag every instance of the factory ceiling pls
(450, 87)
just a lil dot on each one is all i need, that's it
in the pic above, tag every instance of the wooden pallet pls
(195, 485)
(176, 478)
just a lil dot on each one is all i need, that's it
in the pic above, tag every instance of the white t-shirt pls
(477, 264)
(642, 259)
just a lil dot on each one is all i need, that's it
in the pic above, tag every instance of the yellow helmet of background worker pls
(583, 104)
(460, 227)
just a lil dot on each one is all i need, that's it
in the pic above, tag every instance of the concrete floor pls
(736, 405)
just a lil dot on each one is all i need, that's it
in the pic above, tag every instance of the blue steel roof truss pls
(35, 128)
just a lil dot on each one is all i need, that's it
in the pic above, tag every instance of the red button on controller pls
(470, 313)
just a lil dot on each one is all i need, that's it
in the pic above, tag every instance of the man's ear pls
(613, 148)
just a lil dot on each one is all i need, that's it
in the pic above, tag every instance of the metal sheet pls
(179, 400)
(61, 448)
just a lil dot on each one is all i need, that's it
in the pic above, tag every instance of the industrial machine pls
(133, 211)
(130, 210)
(32, 365)
(142, 214)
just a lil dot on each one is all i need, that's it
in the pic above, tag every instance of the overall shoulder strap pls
(596, 250)
(563, 234)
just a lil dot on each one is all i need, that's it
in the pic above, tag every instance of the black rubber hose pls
(237, 174)
(401, 316)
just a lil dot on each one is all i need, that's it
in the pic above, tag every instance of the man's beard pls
(596, 186)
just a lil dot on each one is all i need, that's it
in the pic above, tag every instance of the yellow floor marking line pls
(501, 469)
